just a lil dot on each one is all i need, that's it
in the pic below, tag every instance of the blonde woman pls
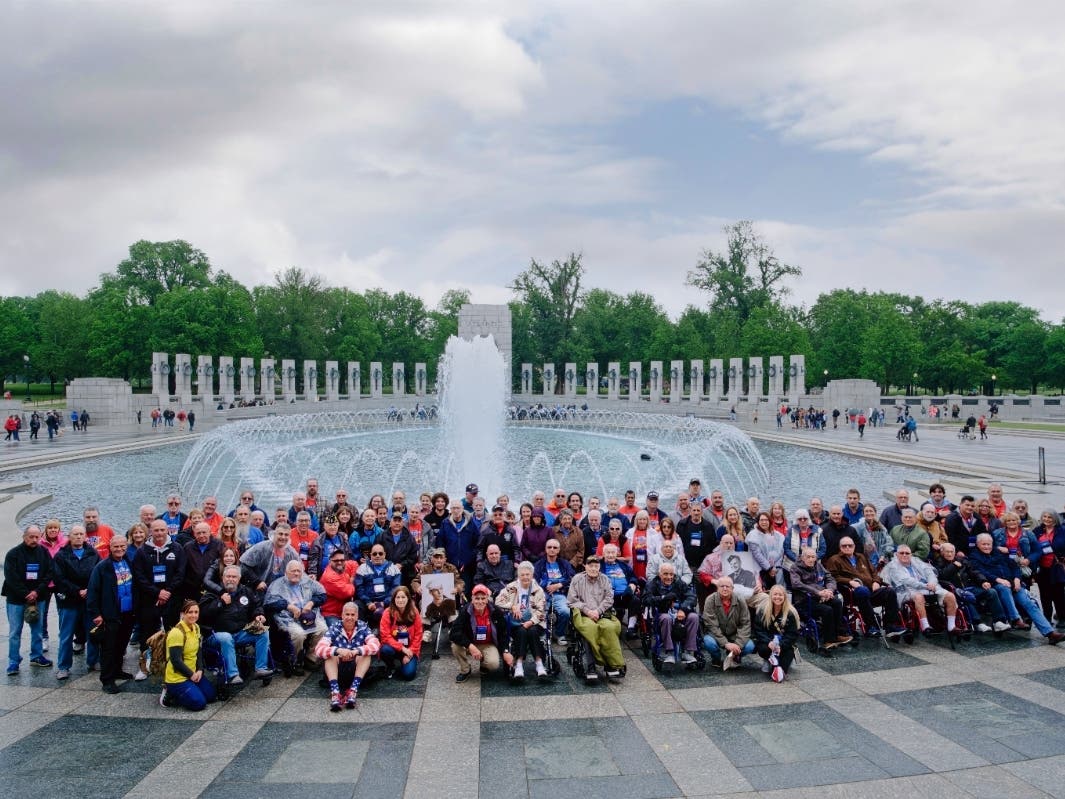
(776, 633)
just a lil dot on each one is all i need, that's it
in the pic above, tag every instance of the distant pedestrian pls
(138, 416)
(181, 416)
(192, 420)
(84, 420)
(74, 419)
(861, 424)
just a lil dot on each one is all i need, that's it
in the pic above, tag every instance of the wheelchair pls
(577, 655)
(215, 666)
(937, 620)
(651, 642)
(810, 628)
(551, 663)
(852, 614)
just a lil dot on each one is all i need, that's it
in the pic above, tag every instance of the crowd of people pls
(213, 598)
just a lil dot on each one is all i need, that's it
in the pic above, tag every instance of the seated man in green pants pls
(591, 598)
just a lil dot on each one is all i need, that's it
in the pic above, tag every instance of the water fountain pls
(373, 451)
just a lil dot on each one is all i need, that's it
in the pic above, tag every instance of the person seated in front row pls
(495, 571)
(621, 576)
(591, 602)
(982, 604)
(728, 626)
(669, 552)
(347, 648)
(401, 635)
(854, 570)
(913, 579)
(815, 587)
(435, 609)
(524, 602)
(675, 603)
(480, 634)
(776, 632)
(375, 580)
(229, 612)
(294, 600)
(554, 575)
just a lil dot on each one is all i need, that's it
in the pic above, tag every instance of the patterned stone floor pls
(985, 720)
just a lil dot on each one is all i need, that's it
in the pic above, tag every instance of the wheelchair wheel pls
(812, 642)
(656, 661)
(554, 668)
(908, 637)
(645, 644)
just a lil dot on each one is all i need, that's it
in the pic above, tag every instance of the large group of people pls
(214, 598)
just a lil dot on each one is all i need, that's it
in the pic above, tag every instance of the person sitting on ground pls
(401, 635)
(727, 621)
(494, 571)
(911, 535)
(554, 575)
(229, 614)
(346, 649)
(776, 632)
(913, 580)
(982, 604)
(669, 553)
(854, 570)
(294, 600)
(675, 603)
(810, 581)
(375, 580)
(184, 684)
(998, 571)
(523, 600)
(591, 602)
(480, 634)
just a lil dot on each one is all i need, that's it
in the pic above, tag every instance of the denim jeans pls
(557, 601)
(394, 659)
(710, 645)
(15, 620)
(70, 621)
(1011, 599)
(192, 695)
(227, 644)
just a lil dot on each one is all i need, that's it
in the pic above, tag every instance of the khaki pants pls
(490, 662)
(602, 637)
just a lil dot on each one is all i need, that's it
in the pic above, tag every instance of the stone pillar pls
(205, 377)
(183, 377)
(755, 379)
(676, 381)
(716, 373)
(399, 381)
(288, 379)
(377, 379)
(526, 379)
(613, 380)
(591, 381)
(247, 379)
(267, 376)
(570, 380)
(735, 380)
(657, 378)
(549, 379)
(161, 375)
(332, 381)
(776, 375)
(696, 393)
(226, 372)
(310, 381)
(635, 380)
(421, 379)
(797, 378)
(354, 380)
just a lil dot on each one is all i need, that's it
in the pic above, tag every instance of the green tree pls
(891, 351)
(1055, 356)
(216, 319)
(60, 338)
(118, 331)
(156, 267)
(288, 315)
(16, 335)
(552, 294)
(1024, 359)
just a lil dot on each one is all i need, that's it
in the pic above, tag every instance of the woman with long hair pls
(733, 526)
(779, 518)
(185, 683)
(401, 635)
(776, 632)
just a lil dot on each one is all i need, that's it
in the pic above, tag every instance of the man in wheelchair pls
(591, 600)
(231, 614)
(674, 604)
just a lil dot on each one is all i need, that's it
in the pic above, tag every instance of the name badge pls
(159, 574)
(481, 633)
(243, 600)
(697, 539)
(403, 637)
(378, 585)
(1047, 548)
(972, 542)
(32, 571)
(641, 556)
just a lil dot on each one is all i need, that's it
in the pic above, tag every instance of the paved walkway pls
(920, 720)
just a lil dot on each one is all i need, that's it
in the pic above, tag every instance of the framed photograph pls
(740, 566)
(437, 587)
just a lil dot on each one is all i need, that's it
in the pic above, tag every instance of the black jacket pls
(171, 562)
(72, 574)
(20, 563)
(679, 595)
(707, 534)
(196, 565)
(231, 618)
(463, 634)
(102, 599)
(958, 534)
(404, 553)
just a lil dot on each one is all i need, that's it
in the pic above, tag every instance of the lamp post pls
(915, 382)
(826, 377)
(26, 361)
(994, 377)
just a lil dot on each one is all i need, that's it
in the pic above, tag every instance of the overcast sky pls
(909, 146)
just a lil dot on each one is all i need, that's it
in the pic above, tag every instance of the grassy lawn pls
(1048, 426)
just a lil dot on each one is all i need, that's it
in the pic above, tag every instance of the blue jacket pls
(993, 565)
(540, 573)
(793, 542)
(376, 583)
(459, 540)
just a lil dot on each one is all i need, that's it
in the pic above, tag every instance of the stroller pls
(966, 433)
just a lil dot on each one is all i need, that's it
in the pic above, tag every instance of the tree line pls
(166, 296)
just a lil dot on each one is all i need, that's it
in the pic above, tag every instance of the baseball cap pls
(652, 495)
(472, 488)
(480, 588)
(438, 551)
(498, 509)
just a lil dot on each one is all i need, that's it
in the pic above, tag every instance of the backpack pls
(154, 663)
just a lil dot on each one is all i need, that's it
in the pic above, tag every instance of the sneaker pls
(140, 676)
(895, 633)
(1001, 626)
(613, 674)
(334, 702)
(777, 674)
(263, 674)
(519, 670)
(729, 662)
(44, 645)
(563, 641)
(78, 649)
(982, 628)
(237, 680)
(669, 659)
(591, 676)
(351, 698)
(164, 699)
(766, 666)
(687, 658)
(62, 674)
(541, 670)
(462, 676)
(872, 632)
(41, 662)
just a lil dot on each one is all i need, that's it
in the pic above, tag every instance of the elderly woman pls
(1047, 560)
(347, 648)
(670, 553)
(803, 534)
(294, 600)
(817, 587)
(525, 604)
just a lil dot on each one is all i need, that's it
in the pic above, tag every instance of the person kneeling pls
(728, 626)
(184, 682)
(347, 649)
(591, 598)
(480, 634)
(525, 603)
(401, 635)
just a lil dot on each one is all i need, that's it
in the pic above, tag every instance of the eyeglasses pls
(846, 546)
(173, 503)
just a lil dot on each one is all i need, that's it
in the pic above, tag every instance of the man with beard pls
(715, 512)
(159, 573)
(312, 496)
(228, 614)
(96, 534)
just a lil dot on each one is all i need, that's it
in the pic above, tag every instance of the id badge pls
(1047, 548)
(697, 539)
(481, 633)
(972, 542)
(641, 556)
(378, 586)
(403, 637)
(159, 574)
(32, 571)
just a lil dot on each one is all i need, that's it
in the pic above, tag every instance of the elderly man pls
(175, 519)
(146, 514)
(265, 562)
(97, 534)
(110, 603)
(497, 531)
(570, 538)
(593, 528)
(554, 575)
(200, 554)
(338, 581)
(668, 554)
(675, 604)
(728, 626)
(211, 514)
(591, 602)
(494, 571)
(329, 541)
(303, 538)
(347, 650)
(834, 530)
(299, 505)
(998, 571)
(913, 580)
(159, 572)
(698, 536)
(375, 580)
(853, 570)
(959, 572)
(400, 547)
(229, 613)
(480, 634)
(73, 565)
(294, 600)
(891, 516)
(913, 536)
(27, 573)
